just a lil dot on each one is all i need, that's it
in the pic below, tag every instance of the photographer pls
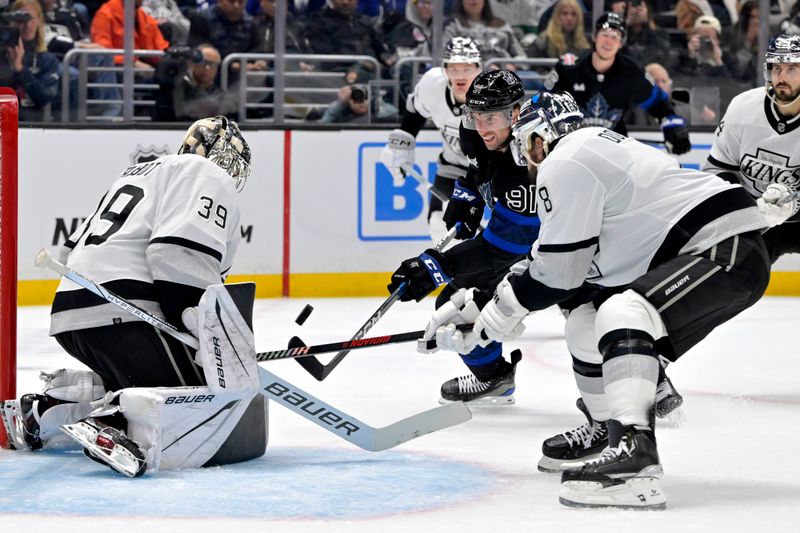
(25, 64)
(352, 105)
(188, 88)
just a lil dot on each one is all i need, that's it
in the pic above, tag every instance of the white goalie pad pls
(183, 427)
(227, 346)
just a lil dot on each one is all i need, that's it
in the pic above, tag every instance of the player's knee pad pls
(627, 312)
(189, 427)
(68, 394)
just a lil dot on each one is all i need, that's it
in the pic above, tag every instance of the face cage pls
(225, 155)
(502, 118)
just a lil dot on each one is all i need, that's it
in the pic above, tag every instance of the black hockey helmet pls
(495, 90)
(611, 21)
(220, 140)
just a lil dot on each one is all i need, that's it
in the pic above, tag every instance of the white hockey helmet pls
(783, 49)
(549, 116)
(461, 50)
(220, 140)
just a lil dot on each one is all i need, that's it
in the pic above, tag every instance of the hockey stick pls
(319, 370)
(410, 171)
(326, 416)
(300, 350)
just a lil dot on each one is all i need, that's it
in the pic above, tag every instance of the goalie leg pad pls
(227, 346)
(186, 427)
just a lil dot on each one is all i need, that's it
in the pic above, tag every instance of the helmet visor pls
(488, 120)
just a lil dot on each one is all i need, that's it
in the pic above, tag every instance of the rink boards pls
(321, 216)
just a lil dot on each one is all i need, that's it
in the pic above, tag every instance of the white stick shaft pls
(45, 260)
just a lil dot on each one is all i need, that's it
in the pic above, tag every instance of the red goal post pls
(9, 125)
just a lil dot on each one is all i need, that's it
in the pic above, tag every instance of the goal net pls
(8, 247)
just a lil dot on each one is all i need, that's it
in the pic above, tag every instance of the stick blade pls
(441, 417)
(311, 364)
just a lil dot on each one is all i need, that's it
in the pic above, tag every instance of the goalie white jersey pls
(612, 208)
(433, 99)
(174, 219)
(758, 144)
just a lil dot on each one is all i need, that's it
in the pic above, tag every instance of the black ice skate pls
(667, 398)
(575, 447)
(108, 446)
(496, 391)
(625, 476)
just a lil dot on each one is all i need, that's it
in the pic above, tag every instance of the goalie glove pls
(465, 206)
(464, 307)
(399, 151)
(421, 274)
(676, 134)
(501, 318)
(778, 204)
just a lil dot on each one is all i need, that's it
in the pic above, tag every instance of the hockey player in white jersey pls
(164, 232)
(757, 144)
(675, 253)
(438, 96)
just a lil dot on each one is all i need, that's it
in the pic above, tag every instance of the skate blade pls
(120, 459)
(486, 401)
(639, 493)
(668, 405)
(554, 466)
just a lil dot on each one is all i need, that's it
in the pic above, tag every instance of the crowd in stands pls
(707, 47)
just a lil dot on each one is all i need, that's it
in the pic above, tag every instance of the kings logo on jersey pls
(767, 167)
(143, 155)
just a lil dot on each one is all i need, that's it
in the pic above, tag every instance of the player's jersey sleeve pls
(420, 100)
(723, 159)
(570, 204)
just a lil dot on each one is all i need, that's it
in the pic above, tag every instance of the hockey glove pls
(676, 134)
(421, 274)
(466, 207)
(399, 151)
(778, 203)
(501, 318)
(464, 307)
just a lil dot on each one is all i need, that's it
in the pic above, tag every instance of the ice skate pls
(109, 446)
(20, 423)
(496, 391)
(668, 399)
(572, 448)
(624, 476)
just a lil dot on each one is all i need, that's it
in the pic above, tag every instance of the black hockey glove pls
(676, 134)
(421, 275)
(466, 207)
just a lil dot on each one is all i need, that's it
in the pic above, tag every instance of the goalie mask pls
(220, 140)
(549, 116)
(783, 49)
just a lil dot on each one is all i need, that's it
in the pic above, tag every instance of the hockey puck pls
(303, 316)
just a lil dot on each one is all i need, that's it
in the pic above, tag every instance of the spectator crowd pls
(706, 48)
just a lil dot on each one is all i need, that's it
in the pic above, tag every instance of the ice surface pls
(730, 465)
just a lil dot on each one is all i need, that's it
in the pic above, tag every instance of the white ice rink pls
(731, 464)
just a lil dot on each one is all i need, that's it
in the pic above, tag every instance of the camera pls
(9, 35)
(184, 52)
(706, 45)
(358, 95)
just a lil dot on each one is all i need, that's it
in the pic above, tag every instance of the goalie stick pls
(338, 422)
(319, 370)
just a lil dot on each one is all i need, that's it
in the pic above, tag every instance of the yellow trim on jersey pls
(336, 285)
